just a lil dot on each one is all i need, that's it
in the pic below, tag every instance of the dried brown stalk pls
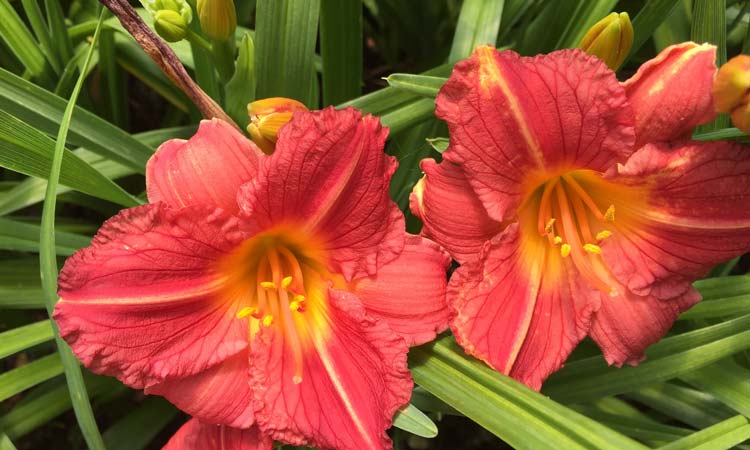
(166, 59)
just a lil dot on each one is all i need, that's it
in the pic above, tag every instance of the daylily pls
(195, 435)
(584, 207)
(273, 291)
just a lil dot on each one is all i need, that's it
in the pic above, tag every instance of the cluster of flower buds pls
(267, 116)
(610, 39)
(171, 18)
(732, 91)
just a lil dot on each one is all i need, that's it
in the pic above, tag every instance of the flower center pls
(280, 279)
(574, 212)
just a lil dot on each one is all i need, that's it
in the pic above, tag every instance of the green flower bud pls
(170, 25)
(218, 18)
(179, 6)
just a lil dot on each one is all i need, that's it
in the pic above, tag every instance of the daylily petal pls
(408, 293)
(219, 395)
(141, 303)
(196, 435)
(695, 215)
(355, 378)
(329, 175)
(451, 212)
(672, 93)
(208, 169)
(624, 326)
(510, 117)
(518, 309)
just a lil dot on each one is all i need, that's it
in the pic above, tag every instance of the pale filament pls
(279, 295)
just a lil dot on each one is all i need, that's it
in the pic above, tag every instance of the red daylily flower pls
(272, 290)
(196, 435)
(585, 208)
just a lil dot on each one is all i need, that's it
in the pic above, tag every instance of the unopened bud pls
(218, 18)
(610, 39)
(171, 18)
(170, 25)
(267, 116)
(732, 84)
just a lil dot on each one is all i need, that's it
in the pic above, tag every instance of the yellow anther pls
(602, 235)
(557, 240)
(592, 248)
(286, 282)
(299, 298)
(267, 320)
(244, 312)
(609, 216)
(565, 250)
(550, 224)
(268, 284)
(294, 305)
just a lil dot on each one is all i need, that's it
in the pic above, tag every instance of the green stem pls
(200, 41)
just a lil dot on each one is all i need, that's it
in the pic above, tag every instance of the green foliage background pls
(692, 392)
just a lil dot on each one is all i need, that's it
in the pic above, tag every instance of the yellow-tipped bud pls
(218, 18)
(732, 83)
(170, 25)
(267, 116)
(610, 39)
(732, 91)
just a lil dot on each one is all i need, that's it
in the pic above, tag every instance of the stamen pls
(565, 250)
(268, 284)
(292, 335)
(609, 216)
(592, 248)
(286, 282)
(244, 312)
(584, 196)
(550, 224)
(294, 305)
(545, 205)
(267, 320)
(557, 240)
(602, 235)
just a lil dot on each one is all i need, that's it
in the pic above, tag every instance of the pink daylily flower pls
(275, 292)
(585, 208)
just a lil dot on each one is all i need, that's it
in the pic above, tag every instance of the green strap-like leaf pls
(48, 265)
(341, 49)
(136, 430)
(24, 149)
(44, 111)
(18, 380)
(414, 421)
(24, 237)
(21, 338)
(687, 405)
(726, 381)
(478, 24)
(653, 13)
(285, 36)
(523, 418)
(423, 85)
(722, 436)
(38, 408)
